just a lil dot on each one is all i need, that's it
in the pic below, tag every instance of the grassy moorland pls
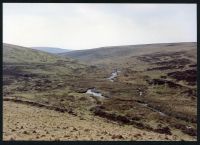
(155, 90)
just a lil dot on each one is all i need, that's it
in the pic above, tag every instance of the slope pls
(113, 53)
(18, 54)
(51, 49)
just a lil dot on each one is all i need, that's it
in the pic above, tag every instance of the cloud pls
(84, 26)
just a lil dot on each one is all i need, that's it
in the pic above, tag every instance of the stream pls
(153, 109)
(114, 74)
(94, 93)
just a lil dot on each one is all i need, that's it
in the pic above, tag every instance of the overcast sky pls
(85, 26)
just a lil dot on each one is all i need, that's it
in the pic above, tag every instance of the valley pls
(136, 92)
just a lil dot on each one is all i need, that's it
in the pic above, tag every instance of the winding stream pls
(114, 74)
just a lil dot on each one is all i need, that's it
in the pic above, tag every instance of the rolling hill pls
(51, 49)
(23, 66)
(115, 53)
(19, 54)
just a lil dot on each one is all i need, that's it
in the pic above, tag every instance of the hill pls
(19, 54)
(114, 53)
(25, 69)
(51, 49)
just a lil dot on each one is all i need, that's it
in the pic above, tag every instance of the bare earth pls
(24, 122)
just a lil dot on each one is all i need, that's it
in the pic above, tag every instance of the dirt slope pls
(24, 122)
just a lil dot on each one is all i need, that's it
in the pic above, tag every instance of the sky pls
(86, 26)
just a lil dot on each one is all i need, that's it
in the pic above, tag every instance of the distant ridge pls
(115, 52)
(53, 50)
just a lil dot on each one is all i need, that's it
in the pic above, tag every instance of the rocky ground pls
(25, 122)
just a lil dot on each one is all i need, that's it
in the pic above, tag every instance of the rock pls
(25, 132)
(117, 137)
(86, 130)
(43, 135)
(104, 132)
(65, 127)
(166, 137)
(75, 129)
(164, 130)
(137, 135)
(66, 136)
(12, 139)
(81, 118)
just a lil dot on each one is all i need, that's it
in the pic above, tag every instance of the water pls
(155, 110)
(94, 93)
(113, 75)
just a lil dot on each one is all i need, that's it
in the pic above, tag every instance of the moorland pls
(133, 92)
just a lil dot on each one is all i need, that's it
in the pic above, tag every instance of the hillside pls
(19, 54)
(55, 126)
(51, 49)
(25, 69)
(103, 54)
